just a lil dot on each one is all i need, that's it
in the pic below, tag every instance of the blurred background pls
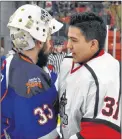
(110, 11)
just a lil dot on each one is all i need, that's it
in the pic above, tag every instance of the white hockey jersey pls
(90, 99)
(65, 69)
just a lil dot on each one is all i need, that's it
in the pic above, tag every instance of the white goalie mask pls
(31, 21)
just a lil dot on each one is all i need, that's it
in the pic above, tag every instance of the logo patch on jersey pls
(63, 115)
(34, 82)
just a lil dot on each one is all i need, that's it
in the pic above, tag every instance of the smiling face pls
(81, 49)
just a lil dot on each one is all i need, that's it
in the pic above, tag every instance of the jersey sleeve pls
(6, 103)
(93, 130)
(7, 112)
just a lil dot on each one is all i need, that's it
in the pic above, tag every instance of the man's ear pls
(94, 45)
(39, 44)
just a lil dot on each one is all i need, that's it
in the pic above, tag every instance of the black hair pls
(91, 26)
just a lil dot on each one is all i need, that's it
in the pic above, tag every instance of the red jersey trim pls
(3, 64)
(4, 95)
(92, 130)
(73, 70)
(101, 121)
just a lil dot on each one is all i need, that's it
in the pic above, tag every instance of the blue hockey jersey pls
(28, 99)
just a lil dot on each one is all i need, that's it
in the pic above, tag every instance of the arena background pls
(110, 11)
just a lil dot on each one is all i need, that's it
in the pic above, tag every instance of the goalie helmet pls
(31, 21)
